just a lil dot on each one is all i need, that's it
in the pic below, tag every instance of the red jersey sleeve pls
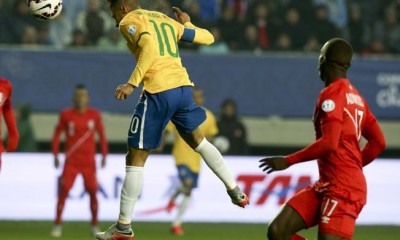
(100, 131)
(61, 126)
(372, 132)
(329, 113)
(9, 117)
(330, 105)
(328, 142)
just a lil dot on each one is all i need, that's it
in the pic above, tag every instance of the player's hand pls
(123, 91)
(103, 162)
(180, 16)
(56, 162)
(272, 164)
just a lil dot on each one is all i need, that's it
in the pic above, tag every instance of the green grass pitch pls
(35, 230)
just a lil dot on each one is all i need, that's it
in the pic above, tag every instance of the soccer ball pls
(222, 144)
(45, 9)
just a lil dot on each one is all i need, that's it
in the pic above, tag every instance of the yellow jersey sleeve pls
(197, 35)
(133, 28)
(136, 33)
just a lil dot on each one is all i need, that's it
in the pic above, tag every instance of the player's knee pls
(187, 190)
(128, 158)
(136, 157)
(65, 186)
(196, 137)
(92, 190)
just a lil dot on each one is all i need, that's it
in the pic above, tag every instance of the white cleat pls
(56, 232)
(113, 234)
(238, 197)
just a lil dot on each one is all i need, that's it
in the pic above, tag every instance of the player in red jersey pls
(341, 117)
(7, 111)
(79, 124)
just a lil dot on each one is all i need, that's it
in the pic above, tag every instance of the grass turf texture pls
(35, 230)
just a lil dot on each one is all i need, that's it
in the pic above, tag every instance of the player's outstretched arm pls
(376, 142)
(328, 142)
(272, 164)
(192, 33)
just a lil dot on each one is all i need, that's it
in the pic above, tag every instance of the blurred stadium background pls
(264, 58)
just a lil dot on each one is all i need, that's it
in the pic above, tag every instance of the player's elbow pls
(329, 147)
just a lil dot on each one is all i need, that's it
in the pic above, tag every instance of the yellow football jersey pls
(184, 154)
(166, 70)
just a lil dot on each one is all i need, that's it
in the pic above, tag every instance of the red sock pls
(297, 237)
(60, 208)
(94, 207)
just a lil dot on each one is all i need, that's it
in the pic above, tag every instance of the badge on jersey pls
(132, 30)
(328, 105)
(91, 124)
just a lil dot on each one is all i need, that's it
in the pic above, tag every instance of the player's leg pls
(91, 186)
(189, 181)
(66, 182)
(338, 218)
(187, 120)
(300, 212)
(172, 201)
(214, 160)
(285, 225)
(132, 186)
(130, 192)
(180, 189)
(145, 133)
(322, 236)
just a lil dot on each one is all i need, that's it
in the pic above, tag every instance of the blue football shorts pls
(154, 111)
(185, 173)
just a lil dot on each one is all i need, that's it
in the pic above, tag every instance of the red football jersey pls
(79, 129)
(341, 102)
(341, 117)
(6, 110)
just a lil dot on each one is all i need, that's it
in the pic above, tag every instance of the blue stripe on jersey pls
(188, 35)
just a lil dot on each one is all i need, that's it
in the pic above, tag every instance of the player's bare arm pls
(272, 164)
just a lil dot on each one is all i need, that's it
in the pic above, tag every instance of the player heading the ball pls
(167, 96)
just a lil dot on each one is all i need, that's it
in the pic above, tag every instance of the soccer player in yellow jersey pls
(167, 96)
(188, 162)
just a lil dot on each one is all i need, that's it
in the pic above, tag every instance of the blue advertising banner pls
(265, 85)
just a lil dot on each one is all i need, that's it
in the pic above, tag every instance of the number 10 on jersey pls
(166, 39)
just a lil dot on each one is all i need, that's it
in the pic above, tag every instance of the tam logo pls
(265, 186)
